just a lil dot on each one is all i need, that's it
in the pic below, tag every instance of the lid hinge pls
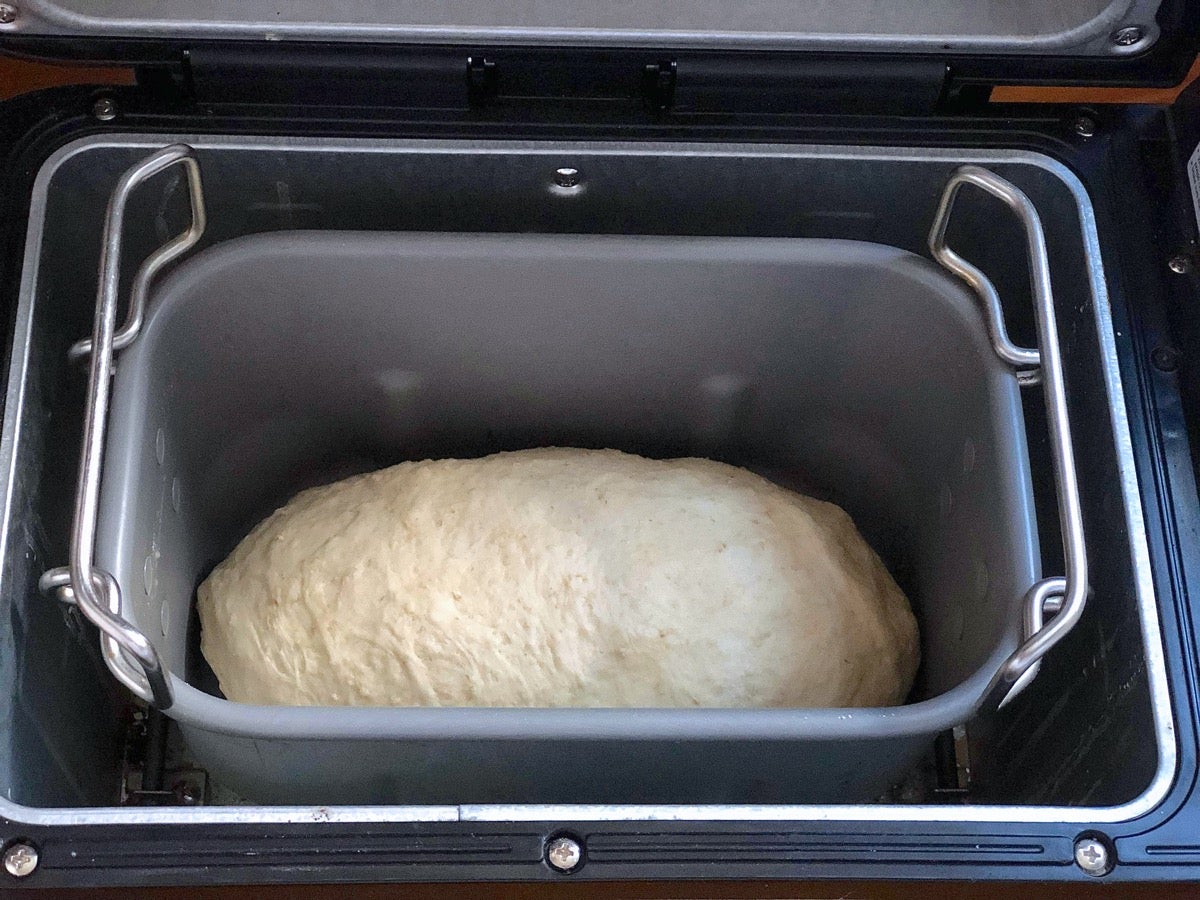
(779, 84)
(558, 79)
(321, 77)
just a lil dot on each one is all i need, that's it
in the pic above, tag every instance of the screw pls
(565, 854)
(1128, 36)
(1165, 358)
(8, 14)
(1084, 126)
(1180, 265)
(1092, 856)
(20, 859)
(566, 177)
(105, 109)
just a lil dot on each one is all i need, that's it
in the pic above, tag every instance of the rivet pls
(1165, 358)
(567, 177)
(105, 109)
(1084, 126)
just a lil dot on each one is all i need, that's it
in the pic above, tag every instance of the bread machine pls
(800, 237)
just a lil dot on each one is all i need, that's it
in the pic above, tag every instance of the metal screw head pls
(1180, 265)
(105, 109)
(1092, 856)
(564, 854)
(20, 859)
(1128, 36)
(566, 177)
(1084, 126)
(8, 14)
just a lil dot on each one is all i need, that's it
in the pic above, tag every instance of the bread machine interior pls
(787, 319)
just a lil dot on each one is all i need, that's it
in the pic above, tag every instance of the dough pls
(557, 577)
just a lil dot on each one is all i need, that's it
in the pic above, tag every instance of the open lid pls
(1067, 41)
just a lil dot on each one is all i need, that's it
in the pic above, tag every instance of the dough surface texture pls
(557, 577)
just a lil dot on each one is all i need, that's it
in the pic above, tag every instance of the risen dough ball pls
(557, 577)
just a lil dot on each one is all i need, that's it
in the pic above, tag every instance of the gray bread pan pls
(852, 371)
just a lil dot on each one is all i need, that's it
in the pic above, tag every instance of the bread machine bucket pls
(854, 371)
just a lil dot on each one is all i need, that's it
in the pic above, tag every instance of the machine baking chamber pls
(789, 195)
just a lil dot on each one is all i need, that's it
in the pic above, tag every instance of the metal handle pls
(128, 652)
(1063, 598)
(163, 256)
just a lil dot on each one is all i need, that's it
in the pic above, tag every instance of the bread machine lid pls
(1075, 28)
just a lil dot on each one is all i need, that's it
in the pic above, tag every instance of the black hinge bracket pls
(483, 80)
(658, 85)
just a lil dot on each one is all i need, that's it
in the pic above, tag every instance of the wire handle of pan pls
(126, 650)
(1052, 606)
(134, 660)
